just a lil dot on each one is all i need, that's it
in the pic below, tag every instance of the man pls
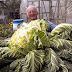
(32, 14)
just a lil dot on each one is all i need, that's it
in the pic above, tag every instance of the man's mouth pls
(32, 15)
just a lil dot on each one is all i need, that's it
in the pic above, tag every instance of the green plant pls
(6, 30)
(32, 49)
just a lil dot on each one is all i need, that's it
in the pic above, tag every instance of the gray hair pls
(31, 6)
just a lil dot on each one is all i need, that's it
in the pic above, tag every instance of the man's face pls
(32, 13)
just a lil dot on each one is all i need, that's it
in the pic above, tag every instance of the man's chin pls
(33, 19)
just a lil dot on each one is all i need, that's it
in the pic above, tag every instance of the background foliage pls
(6, 30)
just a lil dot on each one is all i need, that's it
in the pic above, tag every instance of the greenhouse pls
(35, 35)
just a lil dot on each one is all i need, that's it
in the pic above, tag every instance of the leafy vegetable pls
(32, 49)
(32, 62)
(63, 31)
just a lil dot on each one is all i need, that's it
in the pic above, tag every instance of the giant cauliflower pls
(32, 49)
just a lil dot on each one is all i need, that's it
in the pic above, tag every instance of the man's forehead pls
(31, 8)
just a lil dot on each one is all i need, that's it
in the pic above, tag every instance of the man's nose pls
(31, 12)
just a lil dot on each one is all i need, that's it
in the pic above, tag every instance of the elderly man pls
(32, 14)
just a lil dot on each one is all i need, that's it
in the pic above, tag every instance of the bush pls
(6, 30)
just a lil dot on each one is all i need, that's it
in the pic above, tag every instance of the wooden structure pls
(49, 11)
(56, 11)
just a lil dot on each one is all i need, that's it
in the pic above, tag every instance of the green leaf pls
(53, 63)
(63, 31)
(61, 44)
(31, 63)
(63, 48)
(21, 25)
(5, 42)
(5, 52)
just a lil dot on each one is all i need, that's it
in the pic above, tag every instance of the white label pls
(15, 26)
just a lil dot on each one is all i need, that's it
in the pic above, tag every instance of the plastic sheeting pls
(23, 6)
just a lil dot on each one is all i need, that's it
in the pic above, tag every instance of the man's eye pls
(33, 11)
(29, 12)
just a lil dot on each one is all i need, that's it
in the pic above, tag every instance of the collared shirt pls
(51, 26)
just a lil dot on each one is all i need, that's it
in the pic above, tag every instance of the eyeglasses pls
(32, 11)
